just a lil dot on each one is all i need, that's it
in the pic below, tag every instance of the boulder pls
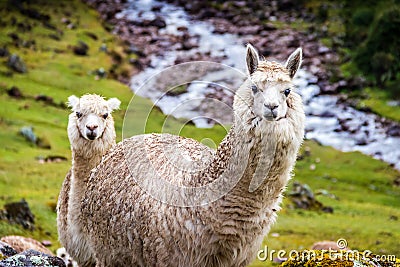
(20, 213)
(158, 22)
(81, 49)
(14, 92)
(394, 130)
(6, 250)
(4, 52)
(16, 64)
(21, 243)
(303, 198)
(31, 258)
(27, 132)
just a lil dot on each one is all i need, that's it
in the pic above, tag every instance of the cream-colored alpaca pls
(91, 134)
(125, 225)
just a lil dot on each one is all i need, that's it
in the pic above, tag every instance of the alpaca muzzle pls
(91, 132)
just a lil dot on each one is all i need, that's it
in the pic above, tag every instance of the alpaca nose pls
(92, 127)
(271, 106)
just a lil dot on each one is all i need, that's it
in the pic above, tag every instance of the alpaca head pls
(271, 84)
(91, 119)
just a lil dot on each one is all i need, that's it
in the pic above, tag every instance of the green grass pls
(377, 99)
(367, 198)
(363, 213)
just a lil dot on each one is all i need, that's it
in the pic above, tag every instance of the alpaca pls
(91, 133)
(125, 225)
(21, 243)
(62, 254)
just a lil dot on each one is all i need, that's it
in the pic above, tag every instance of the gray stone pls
(31, 258)
(16, 63)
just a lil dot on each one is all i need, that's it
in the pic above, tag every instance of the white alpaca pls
(91, 134)
(68, 260)
(125, 226)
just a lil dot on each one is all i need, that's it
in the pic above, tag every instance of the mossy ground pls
(364, 214)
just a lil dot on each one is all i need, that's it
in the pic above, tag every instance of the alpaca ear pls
(73, 101)
(294, 61)
(251, 58)
(113, 103)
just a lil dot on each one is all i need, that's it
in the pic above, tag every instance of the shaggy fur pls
(86, 154)
(125, 226)
(69, 262)
(21, 243)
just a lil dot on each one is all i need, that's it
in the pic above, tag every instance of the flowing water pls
(329, 121)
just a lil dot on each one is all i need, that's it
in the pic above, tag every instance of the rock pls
(21, 243)
(14, 36)
(361, 142)
(27, 132)
(20, 213)
(250, 30)
(54, 37)
(158, 22)
(80, 49)
(327, 114)
(43, 143)
(49, 26)
(65, 20)
(323, 50)
(71, 26)
(50, 159)
(303, 198)
(14, 92)
(6, 250)
(100, 72)
(4, 52)
(46, 243)
(327, 209)
(92, 35)
(31, 258)
(394, 130)
(103, 48)
(44, 98)
(34, 14)
(132, 49)
(16, 63)
(396, 181)
(286, 5)
(136, 63)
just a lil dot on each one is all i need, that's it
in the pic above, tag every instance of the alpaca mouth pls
(91, 136)
(269, 118)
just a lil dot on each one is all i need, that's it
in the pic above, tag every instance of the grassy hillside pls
(366, 212)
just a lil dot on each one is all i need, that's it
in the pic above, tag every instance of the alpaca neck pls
(85, 157)
(81, 165)
(261, 154)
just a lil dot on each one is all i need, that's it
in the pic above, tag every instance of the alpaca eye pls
(254, 89)
(105, 115)
(287, 92)
(78, 114)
